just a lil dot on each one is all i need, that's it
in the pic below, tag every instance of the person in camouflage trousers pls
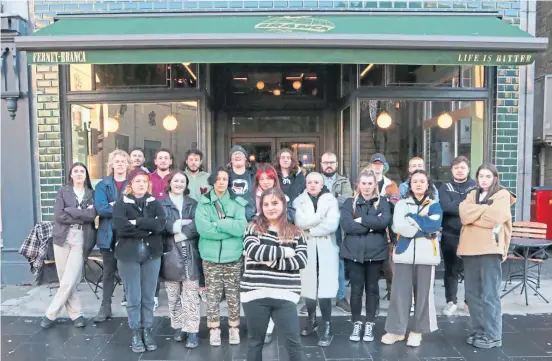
(220, 221)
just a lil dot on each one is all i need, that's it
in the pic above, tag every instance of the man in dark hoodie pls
(292, 180)
(242, 179)
(451, 195)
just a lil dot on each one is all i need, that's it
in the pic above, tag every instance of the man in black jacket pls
(451, 194)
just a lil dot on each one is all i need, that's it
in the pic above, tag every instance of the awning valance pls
(391, 38)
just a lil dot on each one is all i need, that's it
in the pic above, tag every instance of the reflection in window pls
(438, 131)
(275, 124)
(345, 142)
(371, 74)
(98, 129)
(88, 77)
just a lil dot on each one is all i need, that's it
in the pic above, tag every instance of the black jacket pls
(451, 194)
(150, 224)
(182, 259)
(293, 186)
(67, 213)
(365, 241)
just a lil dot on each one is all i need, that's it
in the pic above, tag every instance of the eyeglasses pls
(329, 163)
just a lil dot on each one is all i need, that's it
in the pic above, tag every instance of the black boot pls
(104, 313)
(311, 325)
(148, 340)
(137, 343)
(327, 337)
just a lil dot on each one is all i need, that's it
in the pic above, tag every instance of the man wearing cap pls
(242, 178)
(387, 188)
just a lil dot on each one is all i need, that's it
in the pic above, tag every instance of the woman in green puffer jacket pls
(220, 221)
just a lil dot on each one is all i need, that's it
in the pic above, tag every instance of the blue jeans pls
(341, 281)
(140, 281)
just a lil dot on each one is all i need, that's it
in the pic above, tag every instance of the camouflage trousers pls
(219, 278)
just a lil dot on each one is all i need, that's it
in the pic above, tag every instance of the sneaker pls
(369, 332)
(355, 335)
(466, 309)
(303, 310)
(268, 338)
(414, 339)
(450, 309)
(46, 322)
(203, 294)
(484, 342)
(391, 338)
(234, 336)
(124, 302)
(79, 322)
(155, 303)
(214, 337)
(471, 338)
(343, 305)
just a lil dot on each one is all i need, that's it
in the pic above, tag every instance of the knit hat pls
(238, 148)
(135, 172)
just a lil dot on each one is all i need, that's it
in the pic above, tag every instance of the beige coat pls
(478, 221)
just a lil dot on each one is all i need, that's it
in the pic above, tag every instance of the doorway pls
(264, 150)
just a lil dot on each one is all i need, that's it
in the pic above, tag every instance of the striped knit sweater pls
(272, 267)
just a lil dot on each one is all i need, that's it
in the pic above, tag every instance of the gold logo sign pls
(477, 58)
(59, 57)
(295, 24)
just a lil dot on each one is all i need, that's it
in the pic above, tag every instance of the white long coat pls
(319, 228)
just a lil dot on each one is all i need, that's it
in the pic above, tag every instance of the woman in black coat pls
(74, 238)
(364, 220)
(139, 221)
(180, 267)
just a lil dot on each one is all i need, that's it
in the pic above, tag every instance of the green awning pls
(390, 38)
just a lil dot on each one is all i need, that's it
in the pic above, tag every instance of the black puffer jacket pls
(182, 259)
(451, 194)
(150, 224)
(365, 241)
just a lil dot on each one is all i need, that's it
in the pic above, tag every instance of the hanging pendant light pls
(276, 92)
(112, 124)
(296, 85)
(444, 121)
(384, 120)
(260, 85)
(170, 123)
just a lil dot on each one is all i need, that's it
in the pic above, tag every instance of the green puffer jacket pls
(221, 240)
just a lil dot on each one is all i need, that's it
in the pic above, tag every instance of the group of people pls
(264, 237)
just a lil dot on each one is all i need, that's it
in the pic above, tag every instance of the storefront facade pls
(416, 94)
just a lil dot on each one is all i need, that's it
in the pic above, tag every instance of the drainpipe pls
(528, 13)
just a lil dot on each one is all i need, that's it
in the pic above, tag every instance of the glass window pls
(98, 129)
(345, 144)
(437, 131)
(371, 74)
(275, 124)
(424, 75)
(287, 82)
(87, 77)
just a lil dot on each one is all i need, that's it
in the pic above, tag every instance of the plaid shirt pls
(35, 247)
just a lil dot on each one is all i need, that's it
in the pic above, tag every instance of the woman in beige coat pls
(484, 240)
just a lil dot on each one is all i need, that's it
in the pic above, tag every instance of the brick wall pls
(505, 121)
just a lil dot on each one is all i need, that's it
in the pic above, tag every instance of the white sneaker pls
(369, 332)
(214, 337)
(450, 309)
(234, 336)
(357, 329)
(414, 339)
(155, 303)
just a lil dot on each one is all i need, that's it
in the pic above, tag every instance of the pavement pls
(527, 333)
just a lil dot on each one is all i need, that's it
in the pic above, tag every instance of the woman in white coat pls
(317, 214)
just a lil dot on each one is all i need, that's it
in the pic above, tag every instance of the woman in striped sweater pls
(271, 285)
